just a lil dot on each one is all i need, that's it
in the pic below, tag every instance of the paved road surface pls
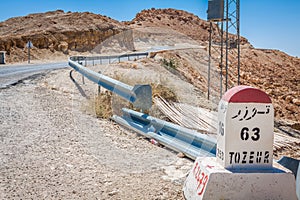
(10, 75)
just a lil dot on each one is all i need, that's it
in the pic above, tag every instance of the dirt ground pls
(52, 149)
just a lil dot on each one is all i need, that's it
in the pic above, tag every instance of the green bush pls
(169, 64)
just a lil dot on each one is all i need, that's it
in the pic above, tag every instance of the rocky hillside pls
(67, 33)
(271, 70)
(276, 73)
(58, 31)
(178, 20)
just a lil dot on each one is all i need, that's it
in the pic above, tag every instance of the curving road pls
(10, 75)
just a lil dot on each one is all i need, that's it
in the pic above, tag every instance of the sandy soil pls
(52, 149)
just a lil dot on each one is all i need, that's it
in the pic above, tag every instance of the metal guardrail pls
(108, 59)
(139, 95)
(193, 144)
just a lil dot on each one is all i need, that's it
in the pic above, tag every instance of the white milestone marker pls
(245, 132)
(243, 167)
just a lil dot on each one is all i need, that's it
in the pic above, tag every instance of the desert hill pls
(56, 31)
(272, 70)
(178, 20)
(67, 33)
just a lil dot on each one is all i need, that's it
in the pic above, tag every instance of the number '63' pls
(253, 134)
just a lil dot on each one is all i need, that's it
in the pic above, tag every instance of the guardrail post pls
(79, 62)
(83, 80)
(99, 87)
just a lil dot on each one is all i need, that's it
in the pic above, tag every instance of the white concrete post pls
(246, 129)
(243, 167)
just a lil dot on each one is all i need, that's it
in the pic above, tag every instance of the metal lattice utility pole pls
(224, 13)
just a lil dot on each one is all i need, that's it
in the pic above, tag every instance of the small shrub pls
(164, 92)
(169, 64)
(103, 106)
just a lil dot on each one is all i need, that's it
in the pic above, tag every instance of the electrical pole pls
(224, 13)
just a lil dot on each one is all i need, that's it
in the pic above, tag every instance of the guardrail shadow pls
(78, 86)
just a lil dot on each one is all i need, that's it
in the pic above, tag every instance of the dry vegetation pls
(103, 106)
(106, 104)
(159, 90)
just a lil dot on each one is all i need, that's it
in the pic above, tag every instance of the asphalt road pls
(13, 74)
(10, 75)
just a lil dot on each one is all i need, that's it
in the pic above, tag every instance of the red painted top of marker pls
(246, 94)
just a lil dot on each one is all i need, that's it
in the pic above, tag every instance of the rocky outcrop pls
(278, 74)
(179, 20)
(117, 43)
(60, 31)
(80, 32)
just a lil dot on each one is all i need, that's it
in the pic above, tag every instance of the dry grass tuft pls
(103, 106)
(164, 92)
(107, 104)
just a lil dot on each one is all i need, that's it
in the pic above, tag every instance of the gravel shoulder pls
(52, 149)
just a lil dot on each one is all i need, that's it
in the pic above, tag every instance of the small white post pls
(29, 45)
(246, 129)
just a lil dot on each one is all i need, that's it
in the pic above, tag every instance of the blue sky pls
(265, 23)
